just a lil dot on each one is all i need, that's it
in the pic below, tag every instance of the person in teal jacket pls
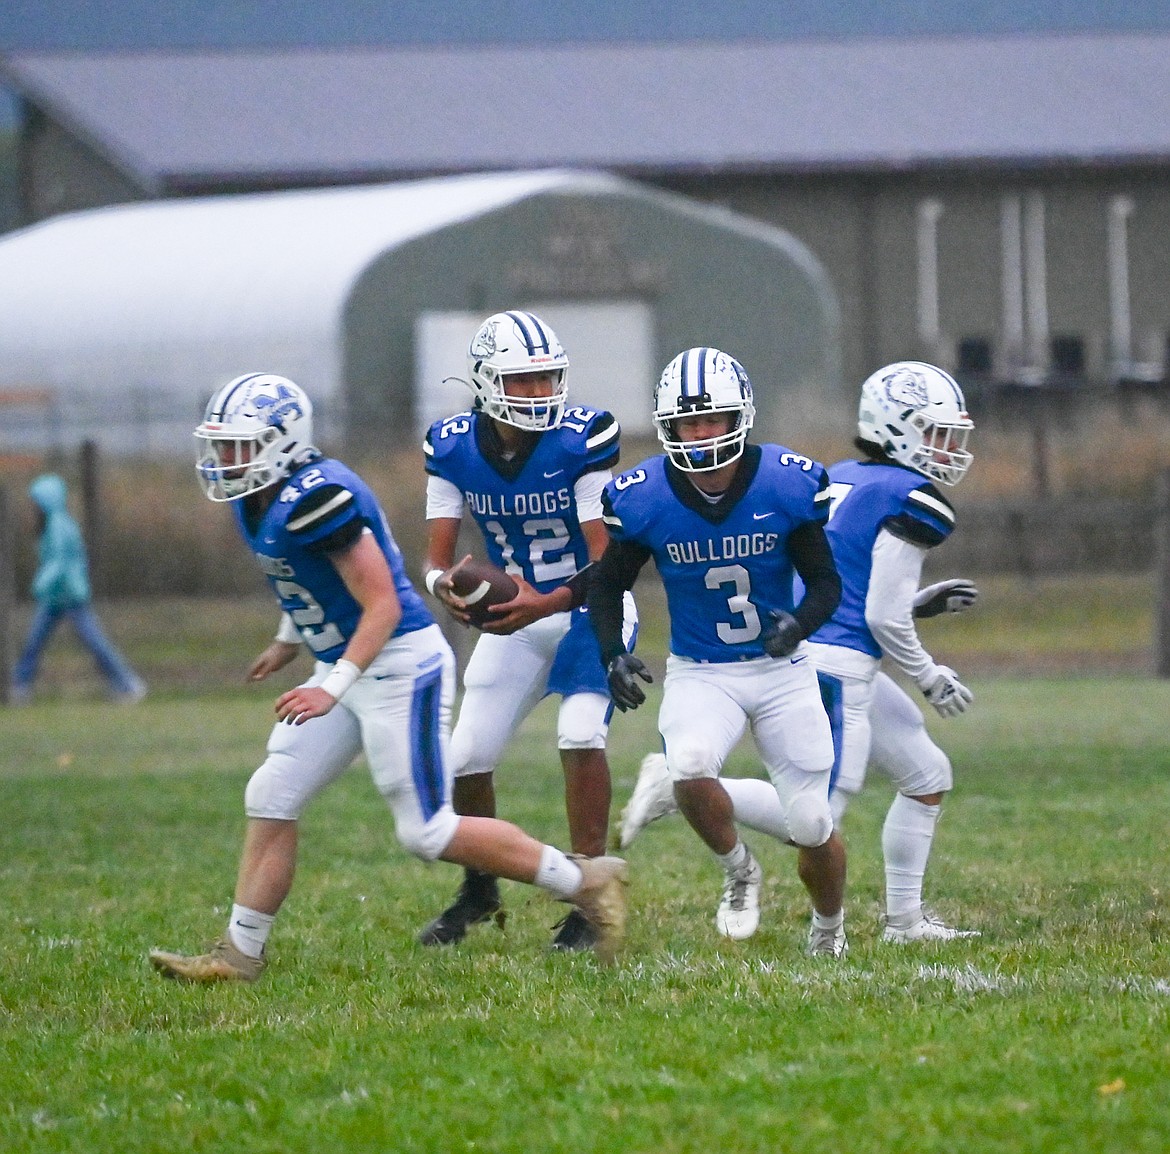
(62, 591)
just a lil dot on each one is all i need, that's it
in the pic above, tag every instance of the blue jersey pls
(525, 507)
(724, 566)
(866, 497)
(324, 505)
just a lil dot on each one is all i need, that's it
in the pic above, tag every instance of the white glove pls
(945, 691)
(951, 596)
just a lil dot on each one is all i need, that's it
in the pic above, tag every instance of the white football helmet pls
(517, 342)
(703, 380)
(915, 413)
(256, 429)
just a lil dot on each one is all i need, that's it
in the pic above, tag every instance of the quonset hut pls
(122, 320)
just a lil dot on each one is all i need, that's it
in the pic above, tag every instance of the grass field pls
(1083, 624)
(1051, 1032)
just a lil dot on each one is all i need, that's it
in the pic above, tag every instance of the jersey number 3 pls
(738, 603)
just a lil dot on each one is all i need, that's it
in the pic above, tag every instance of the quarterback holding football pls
(530, 469)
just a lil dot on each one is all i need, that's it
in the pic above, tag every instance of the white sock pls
(557, 874)
(249, 929)
(906, 839)
(829, 921)
(756, 804)
(736, 858)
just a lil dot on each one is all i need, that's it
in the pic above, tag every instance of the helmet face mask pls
(916, 415)
(509, 344)
(254, 432)
(703, 381)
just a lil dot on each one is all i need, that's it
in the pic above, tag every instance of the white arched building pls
(117, 323)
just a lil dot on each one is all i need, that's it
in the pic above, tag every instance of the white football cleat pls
(653, 797)
(923, 927)
(738, 916)
(827, 943)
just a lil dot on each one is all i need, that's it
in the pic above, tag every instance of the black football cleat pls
(575, 933)
(478, 900)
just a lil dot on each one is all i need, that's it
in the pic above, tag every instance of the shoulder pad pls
(602, 431)
(329, 505)
(926, 518)
(927, 499)
(647, 482)
(822, 499)
(594, 435)
(445, 434)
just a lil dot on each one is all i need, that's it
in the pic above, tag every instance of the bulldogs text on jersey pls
(722, 575)
(525, 508)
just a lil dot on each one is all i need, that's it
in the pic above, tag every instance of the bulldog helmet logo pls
(906, 388)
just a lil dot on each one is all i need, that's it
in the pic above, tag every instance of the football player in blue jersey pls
(886, 514)
(727, 524)
(383, 683)
(530, 468)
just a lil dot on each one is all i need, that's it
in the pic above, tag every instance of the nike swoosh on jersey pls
(797, 660)
(555, 473)
(760, 516)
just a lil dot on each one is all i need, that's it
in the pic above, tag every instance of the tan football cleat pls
(602, 899)
(222, 963)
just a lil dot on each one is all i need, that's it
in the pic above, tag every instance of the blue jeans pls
(117, 672)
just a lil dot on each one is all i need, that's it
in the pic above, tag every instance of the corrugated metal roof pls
(191, 119)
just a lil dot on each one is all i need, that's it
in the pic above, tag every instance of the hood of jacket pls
(49, 493)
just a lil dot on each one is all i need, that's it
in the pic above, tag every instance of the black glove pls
(782, 634)
(622, 674)
(952, 596)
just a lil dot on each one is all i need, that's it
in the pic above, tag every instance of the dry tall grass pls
(159, 537)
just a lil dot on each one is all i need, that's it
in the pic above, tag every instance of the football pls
(482, 585)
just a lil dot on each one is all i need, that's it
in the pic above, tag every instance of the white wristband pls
(429, 580)
(340, 678)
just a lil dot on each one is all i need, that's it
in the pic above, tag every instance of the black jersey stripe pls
(606, 434)
(936, 506)
(320, 513)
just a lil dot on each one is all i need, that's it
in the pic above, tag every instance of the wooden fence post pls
(91, 513)
(1162, 576)
(7, 596)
